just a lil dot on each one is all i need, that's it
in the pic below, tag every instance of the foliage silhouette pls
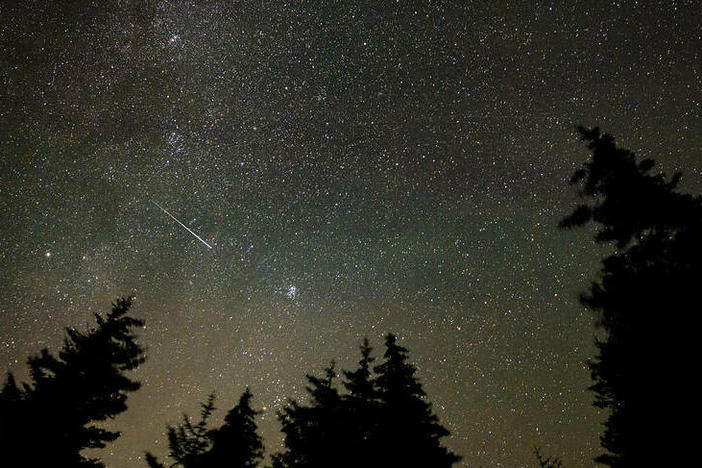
(644, 300)
(409, 429)
(382, 421)
(236, 444)
(49, 421)
(153, 462)
(547, 462)
(313, 433)
(362, 406)
(188, 442)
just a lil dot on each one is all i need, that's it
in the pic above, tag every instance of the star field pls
(358, 168)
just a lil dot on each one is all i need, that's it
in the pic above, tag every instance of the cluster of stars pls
(357, 169)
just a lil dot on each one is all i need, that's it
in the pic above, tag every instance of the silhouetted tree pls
(362, 409)
(49, 421)
(646, 300)
(188, 442)
(237, 444)
(383, 421)
(410, 432)
(547, 462)
(11, 411)
(153, 462)
(359, 383)
(234, 445)
(313, 432)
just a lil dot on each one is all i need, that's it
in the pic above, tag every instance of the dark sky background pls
(358, 168)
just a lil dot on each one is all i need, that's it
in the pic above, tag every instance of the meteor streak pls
(186, 227)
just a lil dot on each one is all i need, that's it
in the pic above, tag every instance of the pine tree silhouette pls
(51, 420)
(644, 300)
(360, 383)
(313, 432)
(236, 444)
(188, 442)
(362, 410)
(547, 462)
(382, 422)
(411, 433)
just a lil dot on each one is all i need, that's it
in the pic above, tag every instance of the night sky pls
(357, 167)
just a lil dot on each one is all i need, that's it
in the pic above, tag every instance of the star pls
(366, 168)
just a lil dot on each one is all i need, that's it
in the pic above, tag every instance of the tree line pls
(378, 415)
(380, 418)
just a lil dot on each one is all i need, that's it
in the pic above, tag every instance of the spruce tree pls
(383, 420)
(360, 383)
(236, 444)
(547, 461)
(312, 432)
(645, 300)
(410, 432)
(49, 421)
(188, 442)
(361, 410)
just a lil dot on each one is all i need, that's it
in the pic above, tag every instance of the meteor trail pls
(186, 227)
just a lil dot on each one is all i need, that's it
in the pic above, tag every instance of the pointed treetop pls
(359, 382)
